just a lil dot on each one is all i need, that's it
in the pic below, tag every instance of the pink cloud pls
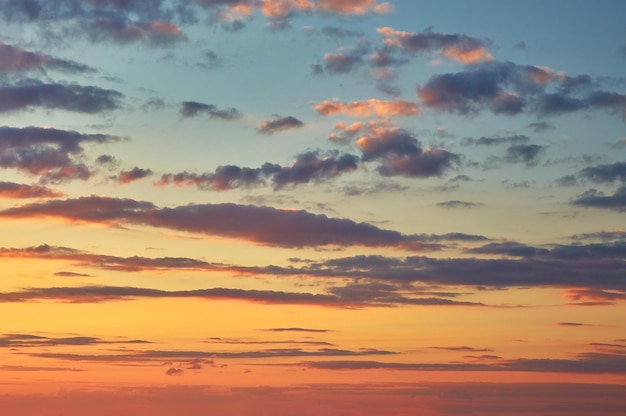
(368, 108)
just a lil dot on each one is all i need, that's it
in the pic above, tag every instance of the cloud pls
(106, 262)
(541, 126)
(601, 235)
(457, 204)
(490, 141)
(368, 108)
(401, 154)
(279, 124)
(587, 363)
(462, 48)
(346, 59)
(31, 93)
(119, 29)
(15, 59)
(528, 154)
(309, 166)
(174, 371)
(193, 108)
(261, 225)
(340, 33)
(16, 340)
(593, 297)
(297, 329)
(132, 175)
(605, 173)
(53, 155)
(598, 199)
(508, 88)
(16, 190)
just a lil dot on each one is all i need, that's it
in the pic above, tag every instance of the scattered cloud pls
(16, 190)
(462, 48)
(193, 109)
(31, 93)
(368, 108)
(53, 155)
(16, 59)
(136, 173)
(279, 124)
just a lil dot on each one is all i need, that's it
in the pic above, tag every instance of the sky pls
(304, 207)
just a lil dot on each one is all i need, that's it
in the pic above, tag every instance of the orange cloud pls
(367, 108)
(462, 48)
(353, 6)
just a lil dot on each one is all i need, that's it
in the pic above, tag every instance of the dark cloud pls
(541, 126)
(345, 60)
(132, 175)
(462, 348)
(15, 59)
(463, 48)
(340, 33)
(457, 204)
(53, 155)
(28, 340)
(601, 235)
(174, 371)
(401, 154)
(193, 108)
(31, 93)
(489, 141)
(101, 261)
(279, 124)
(296, 329)
(605, 173)
(615, 250)
(598, 199)
(508, 88)
(262, 225)
(16, 190)
(528, 154)
(587, 363)
(308, 167)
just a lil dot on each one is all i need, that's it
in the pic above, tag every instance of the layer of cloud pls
(31, 93)
(16, 59)
(308, 167)
(261, 225)
(52, 155)
(17, 190)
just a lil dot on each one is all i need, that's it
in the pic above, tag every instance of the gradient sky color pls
(338, 207)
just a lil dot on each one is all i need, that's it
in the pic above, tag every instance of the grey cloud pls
(15, 59)
(528, 154)
(71, 97)
(16, 190)
(262, 225)
(597, 199)
(489, 141)
(508, 88)
(457, 204)
(49, 153)
(193, 108)
(279, 124)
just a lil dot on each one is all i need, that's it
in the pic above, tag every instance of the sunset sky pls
(312, 207)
